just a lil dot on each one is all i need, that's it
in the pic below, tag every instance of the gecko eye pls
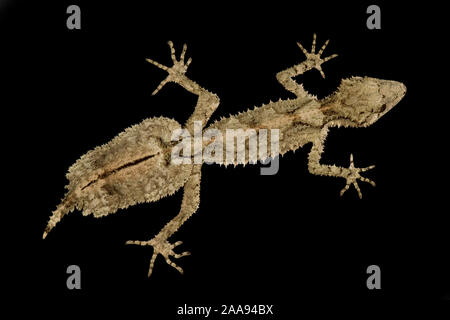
(383, 108)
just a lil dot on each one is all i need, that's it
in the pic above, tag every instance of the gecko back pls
(134, 167)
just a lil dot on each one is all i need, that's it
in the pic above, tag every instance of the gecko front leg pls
(190, 203)
(351, 174)
(313, 61)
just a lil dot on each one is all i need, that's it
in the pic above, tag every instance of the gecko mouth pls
(122, 167)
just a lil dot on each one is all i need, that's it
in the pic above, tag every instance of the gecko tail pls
(67, 205)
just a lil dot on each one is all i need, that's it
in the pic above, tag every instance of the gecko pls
(135, 166)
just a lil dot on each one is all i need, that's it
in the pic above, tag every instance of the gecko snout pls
(392, 92)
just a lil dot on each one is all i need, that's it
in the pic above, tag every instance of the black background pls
(287, 239)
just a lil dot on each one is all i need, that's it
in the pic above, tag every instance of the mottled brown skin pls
(135, 167)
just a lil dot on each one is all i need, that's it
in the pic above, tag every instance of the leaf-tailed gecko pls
(135, 166)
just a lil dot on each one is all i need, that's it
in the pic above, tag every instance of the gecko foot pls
(315, 58)
(178, 69)
(354, 176)
(163, 247)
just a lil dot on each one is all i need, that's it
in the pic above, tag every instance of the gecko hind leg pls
(164, 248)
(207, 102)
(178, 69)
(189, 204)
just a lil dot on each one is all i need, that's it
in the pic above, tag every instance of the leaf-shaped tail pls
(67, 205)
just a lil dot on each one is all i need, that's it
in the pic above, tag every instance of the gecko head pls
(361, 101)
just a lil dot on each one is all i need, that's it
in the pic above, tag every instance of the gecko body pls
(135, 166)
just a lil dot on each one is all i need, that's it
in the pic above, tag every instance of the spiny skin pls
(135, 166)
